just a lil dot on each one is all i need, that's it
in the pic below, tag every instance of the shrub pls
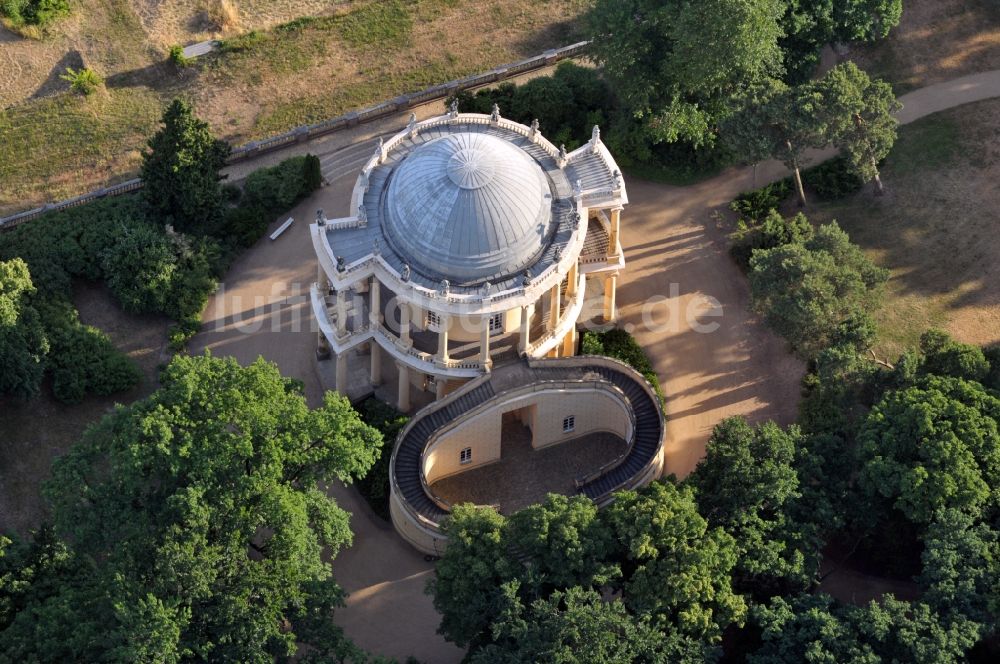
(181, 332)
(774, 231)
(82, 358)
(757, 204)
(621, 345)
(176, 57)
(241, 43)
(832, 179)
(85, 81)
(34, 13)
(374, 486)
(946, 357)
(268, 192)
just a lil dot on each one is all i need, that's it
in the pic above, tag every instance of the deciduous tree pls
(23, 343)
(858, 116)
(679, 64)
(200, 516)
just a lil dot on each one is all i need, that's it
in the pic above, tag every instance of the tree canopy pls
(23, 343)
(807, 291)
(747, 483)
(678, 64)
(932, 446)
(181, 171)
(196, 524)
(672, 570)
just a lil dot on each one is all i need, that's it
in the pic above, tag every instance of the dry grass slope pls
(302, 70)
(935, 228)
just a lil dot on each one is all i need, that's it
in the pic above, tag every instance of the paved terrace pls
(524, 476)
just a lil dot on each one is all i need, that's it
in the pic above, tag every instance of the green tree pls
(23, 343)
(815, 628)
(202, 522)
(468, 579)
(566, 541)
(961, 566)
(181, 171)
(946, 357)
(747, 484)
(858, 115)
(577, 626)
(777, 121)
(677, 569)
(679, 64)
(807, 291)
(932, 446)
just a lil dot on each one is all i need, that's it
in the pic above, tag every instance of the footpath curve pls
(676, 260)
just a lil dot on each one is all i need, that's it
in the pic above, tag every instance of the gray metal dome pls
(468, 207)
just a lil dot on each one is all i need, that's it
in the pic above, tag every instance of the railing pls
(351, 119)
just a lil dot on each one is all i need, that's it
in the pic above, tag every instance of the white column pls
(342, 373)
(569, 343)
(610, 284)
(374, 303)
(526, 314)
(375, 357)
(484, 343)
(341, 314)
(572, 279)
(403, 394)
(443, 338)
(555, 304)
(616, 220)
(404, 322)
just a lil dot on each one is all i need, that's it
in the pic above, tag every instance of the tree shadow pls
(53, 84)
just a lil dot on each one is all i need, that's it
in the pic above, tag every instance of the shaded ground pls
(523, 475)
(936, 228)
(33, 434)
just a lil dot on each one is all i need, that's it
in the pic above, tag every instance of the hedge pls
(621, 345)
(374, 486)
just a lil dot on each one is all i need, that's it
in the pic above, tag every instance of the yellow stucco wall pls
(593, 410)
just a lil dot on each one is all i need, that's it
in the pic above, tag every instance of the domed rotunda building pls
(473, 250)
(472, 240)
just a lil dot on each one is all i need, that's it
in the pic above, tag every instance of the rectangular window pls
(496, 323)
(569, 423)
(465, 456)
(433, 319)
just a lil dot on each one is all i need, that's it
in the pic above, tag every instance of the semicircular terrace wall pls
(602, 395)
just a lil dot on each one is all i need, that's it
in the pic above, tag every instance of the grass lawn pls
(265, 81)
(936, 228)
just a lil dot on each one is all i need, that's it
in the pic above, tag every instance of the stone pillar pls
(341, 314)
(569, 343)
(403, 394)
(375, 357)
(342, 373)
(572, 279)
(374, 303)
(404, 322)
(484, 343)
(440, 383)
(555, 305)
(443, 338)
(610, 284)
(526, 314)
(616, 220)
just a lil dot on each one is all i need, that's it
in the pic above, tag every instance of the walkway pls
(670, 238)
